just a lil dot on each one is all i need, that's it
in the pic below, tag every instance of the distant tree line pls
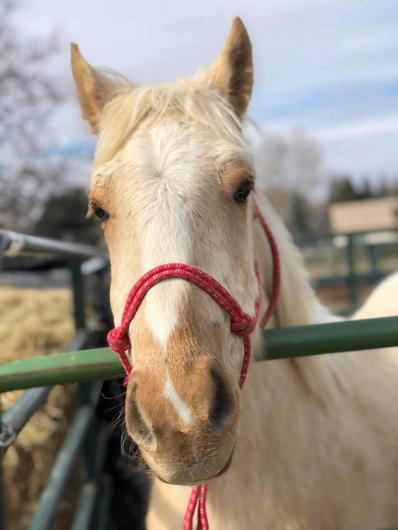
(291, 170)
(344, 188)
(64, 217)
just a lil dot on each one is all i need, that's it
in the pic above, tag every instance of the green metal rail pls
(91, 365)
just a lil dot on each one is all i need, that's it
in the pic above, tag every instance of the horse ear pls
(232, 72)
(94, 89)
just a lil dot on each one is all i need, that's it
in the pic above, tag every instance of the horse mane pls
(323, 377)
(191, 99)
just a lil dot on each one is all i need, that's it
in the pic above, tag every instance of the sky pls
(328, 66)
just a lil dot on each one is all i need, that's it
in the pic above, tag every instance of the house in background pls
(364, 215)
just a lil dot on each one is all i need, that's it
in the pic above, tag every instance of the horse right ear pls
(94, 89)
(232, 72)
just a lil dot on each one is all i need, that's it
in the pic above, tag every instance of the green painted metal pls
(352, 273)
(26, 244)
(373, 259)
(101, 519)
(14, 419)
(85, 507)
(334, 337)
(91, 365)
(78, 367)
(20, 413)
(78, 295)
(44, 514)
(81, 433)
(89, 493)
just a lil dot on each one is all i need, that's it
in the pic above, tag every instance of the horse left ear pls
(94, 89)
(232, 72)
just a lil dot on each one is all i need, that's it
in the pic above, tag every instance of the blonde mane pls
(191, 99)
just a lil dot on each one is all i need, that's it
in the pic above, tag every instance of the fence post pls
(352, 279)
(373, 263)
(78, 294)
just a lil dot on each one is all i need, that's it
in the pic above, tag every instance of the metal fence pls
(39, 373)
(353, 260)
(82, 261)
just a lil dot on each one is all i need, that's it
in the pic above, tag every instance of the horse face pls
(171, 183)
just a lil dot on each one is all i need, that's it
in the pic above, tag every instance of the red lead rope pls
(242, 325)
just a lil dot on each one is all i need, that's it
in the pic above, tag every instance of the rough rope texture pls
(242, 325)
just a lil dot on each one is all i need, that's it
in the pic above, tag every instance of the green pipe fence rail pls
(297, 341)
(15, 419)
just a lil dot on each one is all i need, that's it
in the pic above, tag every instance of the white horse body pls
(317, 445)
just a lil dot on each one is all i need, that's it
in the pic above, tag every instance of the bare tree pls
(28, 96)
(290, 168)
(293, 161)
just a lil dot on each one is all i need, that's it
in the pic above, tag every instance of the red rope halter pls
(242, 325)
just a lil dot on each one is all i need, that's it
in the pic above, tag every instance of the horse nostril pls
(222, 402)
(140, 431)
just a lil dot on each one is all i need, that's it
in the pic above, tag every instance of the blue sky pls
(329, 66)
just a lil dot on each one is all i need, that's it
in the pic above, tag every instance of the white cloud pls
(307, 52)
(359, 129)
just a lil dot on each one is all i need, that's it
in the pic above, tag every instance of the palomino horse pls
(311, 443)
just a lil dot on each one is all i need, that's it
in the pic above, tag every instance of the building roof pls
(363, 215)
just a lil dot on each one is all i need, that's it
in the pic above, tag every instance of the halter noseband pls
(241, 325)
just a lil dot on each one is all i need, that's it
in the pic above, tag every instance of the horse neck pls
(297, 305)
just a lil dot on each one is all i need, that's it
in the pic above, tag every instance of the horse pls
(308, 443)
(382, 301)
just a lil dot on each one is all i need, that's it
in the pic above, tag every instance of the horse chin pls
(189, 475)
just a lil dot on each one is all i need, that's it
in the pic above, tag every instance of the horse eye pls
(100, 213)
(242, 193)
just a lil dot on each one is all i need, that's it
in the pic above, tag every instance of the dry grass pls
(35, 322)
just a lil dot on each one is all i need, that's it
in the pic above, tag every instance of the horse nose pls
(206, 406)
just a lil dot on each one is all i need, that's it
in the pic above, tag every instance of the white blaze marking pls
(166, 163)
(179, 406)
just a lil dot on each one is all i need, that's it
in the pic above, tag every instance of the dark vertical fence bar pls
(89, 492)
(43, 517)
(78, 295)
(352, 276)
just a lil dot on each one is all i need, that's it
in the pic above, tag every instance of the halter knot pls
(118, 340)
(244, 326)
